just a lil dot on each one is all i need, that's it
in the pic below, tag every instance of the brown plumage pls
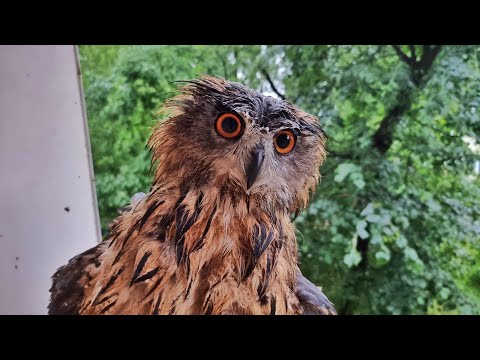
(214, 235)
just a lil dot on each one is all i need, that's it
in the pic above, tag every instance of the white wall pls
(45, 166)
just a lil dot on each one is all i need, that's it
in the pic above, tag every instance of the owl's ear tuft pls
(204, 86)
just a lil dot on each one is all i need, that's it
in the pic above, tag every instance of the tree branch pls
(362, 248)
(269, 79)
(383, 137)
(413, 54)
(409, 61)
(430, 53)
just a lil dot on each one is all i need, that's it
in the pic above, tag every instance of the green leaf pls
(433, 205)
(359, 183)
(401, 242)
(361, 225)
(343, 170)
(352, 259)
(382, 256)
(373, 218)
(444, 293)
(411, 254)
(376, 239)
(367, 210)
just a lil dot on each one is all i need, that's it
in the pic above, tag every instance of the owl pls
(214, 235)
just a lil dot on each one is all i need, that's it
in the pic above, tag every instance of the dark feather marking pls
(163, 225)
(183, 224)
(262, 287)
(149, 212)
(208, 270)
(181, 218)
(187, 264)
(200, 242)
(182, 196)
(273, 305)
(104, 310)
(176, 299)
(96, 262)
(102, 300)
(255, 233)
(267, 242)
(109, 283)
(199, 245)
(152, 289)
(130, 232)
(218, 282)
(120, 253)
(189, 287)
(250, 265)
(147, 276)
(280, 241)
(157, 304)
(113, 239)
(261, 241)
(174, 302)
(202, 288)
(208, 307)
(263, 231)
(167, 219)
(140, 266)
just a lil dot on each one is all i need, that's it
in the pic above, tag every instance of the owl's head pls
(225, 136)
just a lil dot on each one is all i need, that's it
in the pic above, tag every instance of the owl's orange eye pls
(229, 126)
(284, 141)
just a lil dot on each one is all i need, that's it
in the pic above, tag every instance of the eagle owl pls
(214, 234)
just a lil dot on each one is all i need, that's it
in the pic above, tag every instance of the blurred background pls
(394, 227)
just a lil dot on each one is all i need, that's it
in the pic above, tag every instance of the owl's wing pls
(68, 283)
(312, 299)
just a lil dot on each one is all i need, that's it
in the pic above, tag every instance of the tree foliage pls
(394, 226)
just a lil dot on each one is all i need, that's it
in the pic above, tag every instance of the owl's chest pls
(224, 296)
(220, 286)
(214, 265)
(240, 270)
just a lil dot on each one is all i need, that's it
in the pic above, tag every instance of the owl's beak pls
(255, 165)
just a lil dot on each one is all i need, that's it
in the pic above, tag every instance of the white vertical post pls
(48, 209)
